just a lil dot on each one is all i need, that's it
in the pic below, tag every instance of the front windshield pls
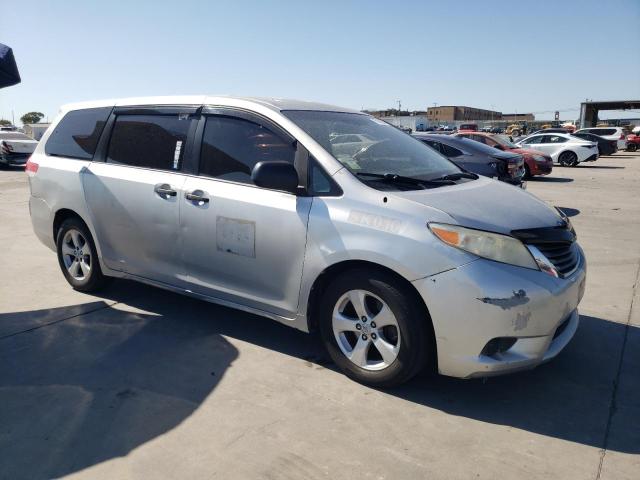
(364, 144)
(504, 141)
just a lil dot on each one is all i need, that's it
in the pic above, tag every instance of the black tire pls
(527, 172)
(415, 331)
(568, 159)
(94, 279)
(632, 147)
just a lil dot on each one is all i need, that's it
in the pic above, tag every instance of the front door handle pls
(164, 189)
(197, 196)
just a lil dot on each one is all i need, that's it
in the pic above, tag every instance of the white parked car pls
(15, 148)
(565, 149)
(609, 133)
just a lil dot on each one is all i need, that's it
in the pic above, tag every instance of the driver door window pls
(534, 140)
(232, 146)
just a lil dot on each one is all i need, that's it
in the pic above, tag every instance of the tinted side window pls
(232, 146)
(450, 151)
(150, 141)
(432, 144)
(554, 139)
(608, 131)
(77, 134)
(534, 140)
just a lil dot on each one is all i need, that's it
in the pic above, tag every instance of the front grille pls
(564, 256)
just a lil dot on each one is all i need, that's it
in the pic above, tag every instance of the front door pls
(134, 195)
(243, 243)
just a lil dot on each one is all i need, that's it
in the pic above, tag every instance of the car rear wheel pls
(568, 159)
(527, 171)
(374, 329)
(78, 257)
(632, 147)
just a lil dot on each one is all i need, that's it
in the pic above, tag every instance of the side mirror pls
(276, 175)
(498, 146)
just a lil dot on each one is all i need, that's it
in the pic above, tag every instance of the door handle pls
(197, 196)
(164, 189)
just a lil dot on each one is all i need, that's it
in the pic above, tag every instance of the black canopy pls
(8, 69)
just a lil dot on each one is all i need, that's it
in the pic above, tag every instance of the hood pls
(489, 205)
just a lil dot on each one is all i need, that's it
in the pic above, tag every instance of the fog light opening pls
(498, 345)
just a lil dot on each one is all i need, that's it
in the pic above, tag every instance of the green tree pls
(31, 117)
(4, 122)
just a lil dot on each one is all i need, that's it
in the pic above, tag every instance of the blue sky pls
(542, 56)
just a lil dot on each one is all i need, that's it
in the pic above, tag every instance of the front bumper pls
(484, 300)
(541, 168)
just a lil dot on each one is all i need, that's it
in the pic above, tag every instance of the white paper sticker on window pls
(176, 154)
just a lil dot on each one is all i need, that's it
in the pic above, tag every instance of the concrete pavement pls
(141, 383)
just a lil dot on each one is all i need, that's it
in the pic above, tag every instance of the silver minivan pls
(319, 217)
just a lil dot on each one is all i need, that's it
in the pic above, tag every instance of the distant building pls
(394, 112)
(35, 130)
(453, 113)
(518, 117)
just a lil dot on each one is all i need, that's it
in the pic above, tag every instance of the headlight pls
(494, 246)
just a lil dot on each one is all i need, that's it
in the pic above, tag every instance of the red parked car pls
(535, 162)
(633, 142)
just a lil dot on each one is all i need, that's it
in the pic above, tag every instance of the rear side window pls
(77, 134)
(232, 146)
(450, 151)
(432, 144)
(149, 141)
(554, 139)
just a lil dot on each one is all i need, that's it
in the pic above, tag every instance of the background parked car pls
(610, 133)
(477, 157)
(567, 150)
(633, 142)
(472, 127)
(535, 162)
(605, 147)
(15, 148)
(551, 130)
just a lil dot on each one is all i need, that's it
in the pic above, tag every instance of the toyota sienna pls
(400, 259)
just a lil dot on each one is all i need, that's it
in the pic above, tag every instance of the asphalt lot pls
(141, 383)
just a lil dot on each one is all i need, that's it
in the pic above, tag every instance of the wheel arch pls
(324, 279)
(63, 214)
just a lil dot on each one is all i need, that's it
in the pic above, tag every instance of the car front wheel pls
(374, 329)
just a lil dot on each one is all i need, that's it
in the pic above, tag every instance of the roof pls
(276, 104)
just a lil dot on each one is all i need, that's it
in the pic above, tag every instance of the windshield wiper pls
(393, 178)
(456, 176)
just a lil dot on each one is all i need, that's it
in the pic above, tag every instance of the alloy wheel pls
(76, 254)
(366, 330)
